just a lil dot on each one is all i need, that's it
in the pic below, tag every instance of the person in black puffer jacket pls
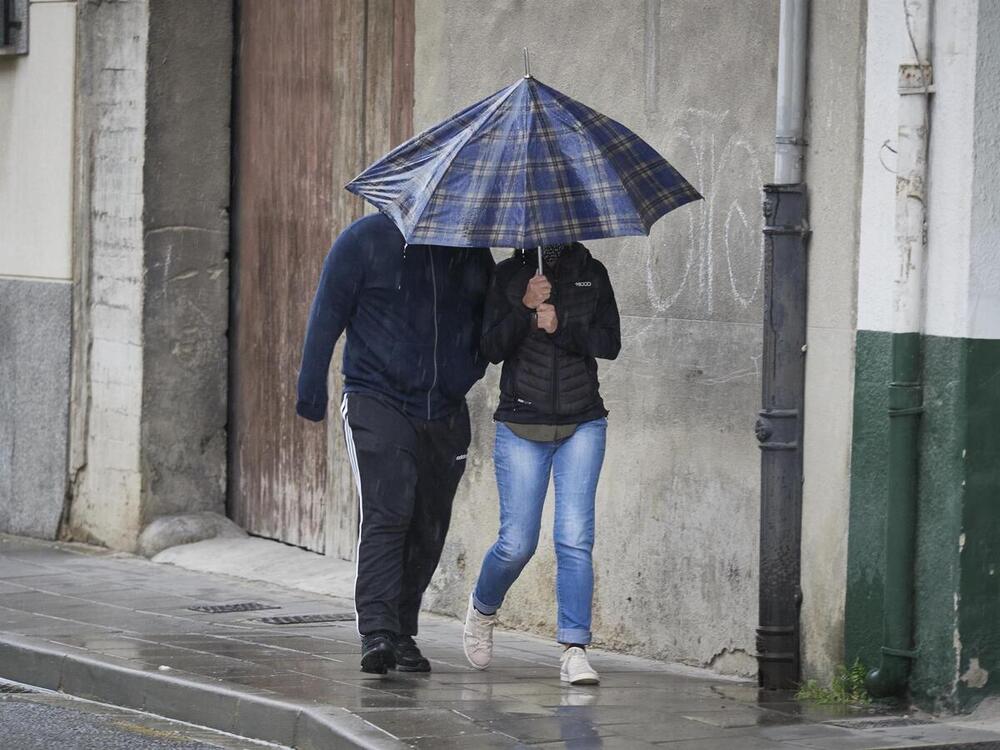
(548, 330)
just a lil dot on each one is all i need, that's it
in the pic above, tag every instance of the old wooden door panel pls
(387, 121)
(308, 115)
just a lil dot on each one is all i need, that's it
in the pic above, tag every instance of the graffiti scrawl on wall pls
(723, 252)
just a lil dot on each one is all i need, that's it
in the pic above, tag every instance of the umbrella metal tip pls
(527, 68)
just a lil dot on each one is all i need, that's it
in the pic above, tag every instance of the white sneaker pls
(477, 638)
(576, 670)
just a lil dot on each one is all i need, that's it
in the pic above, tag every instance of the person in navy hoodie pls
(413, 315)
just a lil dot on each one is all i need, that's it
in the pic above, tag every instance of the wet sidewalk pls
(275, 664)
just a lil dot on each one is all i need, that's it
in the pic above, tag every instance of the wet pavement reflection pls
(128, 610)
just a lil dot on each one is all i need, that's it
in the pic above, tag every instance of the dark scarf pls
(551, 253)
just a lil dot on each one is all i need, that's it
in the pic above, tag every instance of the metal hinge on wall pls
(13, 27)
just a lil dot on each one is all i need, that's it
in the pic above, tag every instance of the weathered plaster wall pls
(36, 188)
(186, 247)
(676, 554)
(834, 121)
(111, 133)
(151, 352)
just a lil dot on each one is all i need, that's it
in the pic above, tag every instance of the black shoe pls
(408, 656)
(378, 652)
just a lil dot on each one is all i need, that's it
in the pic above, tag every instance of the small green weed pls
(848, 687)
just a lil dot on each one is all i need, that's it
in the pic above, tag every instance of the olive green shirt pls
(542, 433)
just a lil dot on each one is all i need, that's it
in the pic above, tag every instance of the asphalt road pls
(44, 721)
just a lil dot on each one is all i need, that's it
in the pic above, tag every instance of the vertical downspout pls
(906, 390)
(789, 144)
(779, 427)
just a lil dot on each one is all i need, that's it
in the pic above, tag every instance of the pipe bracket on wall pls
(913, 410)
(780, 422)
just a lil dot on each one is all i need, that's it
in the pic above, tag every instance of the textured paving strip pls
(202, 648)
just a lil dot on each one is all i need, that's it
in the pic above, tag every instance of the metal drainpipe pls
(906, 390)
(779, 426)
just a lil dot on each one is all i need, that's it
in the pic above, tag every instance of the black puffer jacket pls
(551, 378)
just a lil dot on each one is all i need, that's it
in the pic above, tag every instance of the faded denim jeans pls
(522, 469)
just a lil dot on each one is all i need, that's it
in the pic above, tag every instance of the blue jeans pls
(523, 468)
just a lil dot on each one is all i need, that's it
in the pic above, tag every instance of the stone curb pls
(186, 698)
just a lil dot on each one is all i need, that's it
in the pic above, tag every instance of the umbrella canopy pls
(525, 167)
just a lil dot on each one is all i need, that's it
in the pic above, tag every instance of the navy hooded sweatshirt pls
(413, 315)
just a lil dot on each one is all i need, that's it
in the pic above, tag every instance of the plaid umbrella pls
(525, 167)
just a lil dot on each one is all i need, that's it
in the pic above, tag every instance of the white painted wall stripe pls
(984, 260)
(950, 170)
(36, 148)
(962, 282)
(876, 266)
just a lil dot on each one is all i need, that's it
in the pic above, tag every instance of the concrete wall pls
(151, 358)
(36, 189)
(677, 527)
(186, 238)
(835, 121)
(112, 128)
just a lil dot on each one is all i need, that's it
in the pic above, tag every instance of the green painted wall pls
(939, 522)
(979, 611)
(866, 530)
(957, 592)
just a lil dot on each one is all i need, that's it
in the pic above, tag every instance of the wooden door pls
(322, 88)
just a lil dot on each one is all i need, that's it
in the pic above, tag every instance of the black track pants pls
(407, 471)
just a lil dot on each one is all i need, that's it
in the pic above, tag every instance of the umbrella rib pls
(615, 125)
(600, 147)
(526, 216)
(561, 187)
(470, 132)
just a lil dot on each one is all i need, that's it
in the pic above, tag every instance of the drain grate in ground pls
(236, 607)
(11, 687)
(306, 619)
(883, 723)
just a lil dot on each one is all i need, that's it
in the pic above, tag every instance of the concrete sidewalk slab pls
(257, 559)
(121, 629)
